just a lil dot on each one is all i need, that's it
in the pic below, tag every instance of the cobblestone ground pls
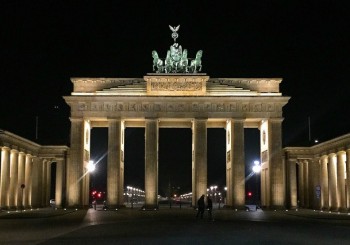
(173, 226)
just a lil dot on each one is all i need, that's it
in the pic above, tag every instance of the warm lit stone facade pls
(177, 101)
(318, 176)
(25, 179)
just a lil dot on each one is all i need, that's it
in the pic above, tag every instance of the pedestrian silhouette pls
(201, 207)
(210, 208)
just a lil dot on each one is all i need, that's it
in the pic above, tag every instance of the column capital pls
(14, 151)
(5, 148)
(275, 119)
(236, 120)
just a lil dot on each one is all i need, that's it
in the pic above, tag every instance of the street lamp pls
(91, 167)
(257, 169)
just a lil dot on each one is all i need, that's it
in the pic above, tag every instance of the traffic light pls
(250, 194)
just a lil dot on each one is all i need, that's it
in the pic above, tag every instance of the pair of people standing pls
(201, 207)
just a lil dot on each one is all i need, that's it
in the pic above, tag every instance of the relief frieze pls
(82, 106)
(133, 107)
(233, 106)
(96, 106)
(245, 107)
(179, 107)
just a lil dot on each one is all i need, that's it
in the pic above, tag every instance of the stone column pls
(75, 165)
(115, 182)
(28, 181)
(37, 183)
(5, 177)
(60, 173)
(48, 183)
(235, 164)
(21, 180)
(13, 179)
(151, 163)
(199, 142)
(45, 185)
(277, 170)
(292, 177)
(306, 183)
(348, 179)
(324, 183)
(314, 181)
(301, 183)
(332, 180)
(341, 180)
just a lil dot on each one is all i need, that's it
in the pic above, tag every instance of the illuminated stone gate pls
(177, 95)
(177, 101)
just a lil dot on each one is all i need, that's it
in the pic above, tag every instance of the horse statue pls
(168, 63)
(175, 55)
(197, 62)
(184, 61)
(157, 62)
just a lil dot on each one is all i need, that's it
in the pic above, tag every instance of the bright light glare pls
(91, 166)
(256, 168)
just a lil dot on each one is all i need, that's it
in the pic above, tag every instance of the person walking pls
(94, 204)
(210, 208)
(201, 207)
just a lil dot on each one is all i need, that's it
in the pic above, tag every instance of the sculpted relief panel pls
(176, 86)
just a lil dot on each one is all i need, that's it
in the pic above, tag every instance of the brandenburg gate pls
(177, 95)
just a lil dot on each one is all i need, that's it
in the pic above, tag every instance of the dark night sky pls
(44, 43)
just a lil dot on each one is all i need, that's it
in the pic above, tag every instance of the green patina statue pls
(176, 60)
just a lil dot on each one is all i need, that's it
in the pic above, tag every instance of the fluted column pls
(332, 180)
(28, 181)
(151, 163)
(48, 184)
(21, 179)
(60, 173)
(37, 182)
(301, 183)
(44, 169)
(13, 179)
(235, 164)
(75, 169)
(348, 179)
(277, 170)
(306, 183)
(114, 174)
(341, 180)
(292, 177)
(5, 177)
(314, 183)
(324, 183)
(199, 158)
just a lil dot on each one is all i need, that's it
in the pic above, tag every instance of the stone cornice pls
(262, 85)
(92, 85)
(21, 144)
(335, 145)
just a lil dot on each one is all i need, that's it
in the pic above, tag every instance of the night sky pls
(45, 43)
